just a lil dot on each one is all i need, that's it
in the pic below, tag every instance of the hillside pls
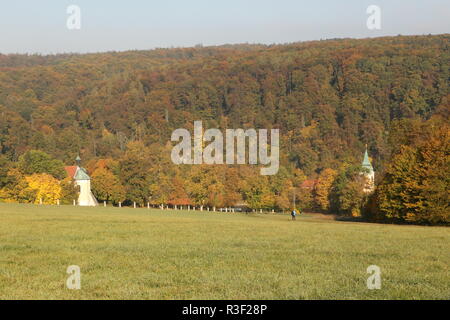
(328, 98)
(349, 91)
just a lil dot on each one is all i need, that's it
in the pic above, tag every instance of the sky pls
(30, 26)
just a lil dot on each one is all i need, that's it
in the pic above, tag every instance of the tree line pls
(328, 98)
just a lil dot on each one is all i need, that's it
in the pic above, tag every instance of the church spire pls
(368, 172)
(78, 160)
(366, 161)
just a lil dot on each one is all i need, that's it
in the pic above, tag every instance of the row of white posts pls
(162, 206)
(166, 207)
(57, 202)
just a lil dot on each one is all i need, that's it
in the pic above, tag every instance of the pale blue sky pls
(30, 26)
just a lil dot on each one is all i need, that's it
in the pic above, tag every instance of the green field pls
(152, 254)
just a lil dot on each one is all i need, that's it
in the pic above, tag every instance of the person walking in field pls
(293, 214)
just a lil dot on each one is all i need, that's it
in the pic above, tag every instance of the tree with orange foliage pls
(323, 188)
(416, 184)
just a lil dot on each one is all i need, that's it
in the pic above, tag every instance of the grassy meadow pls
(127, 253)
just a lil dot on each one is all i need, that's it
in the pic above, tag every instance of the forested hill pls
(328, 98)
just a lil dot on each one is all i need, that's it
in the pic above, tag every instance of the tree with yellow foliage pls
(106, 186)
(323, 188)
(16, 188)
(47, 187)
(416, 184)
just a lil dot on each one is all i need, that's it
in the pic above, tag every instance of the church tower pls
(82, 179)
(369, 173)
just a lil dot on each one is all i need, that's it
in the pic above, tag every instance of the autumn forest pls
(329, 99)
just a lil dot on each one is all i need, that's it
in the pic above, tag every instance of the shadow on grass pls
(350, 219)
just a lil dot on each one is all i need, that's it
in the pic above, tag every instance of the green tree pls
(35, 161)
(352, 197)
(347, 193)
(69, 191)
(134, 173)
(4, 168)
